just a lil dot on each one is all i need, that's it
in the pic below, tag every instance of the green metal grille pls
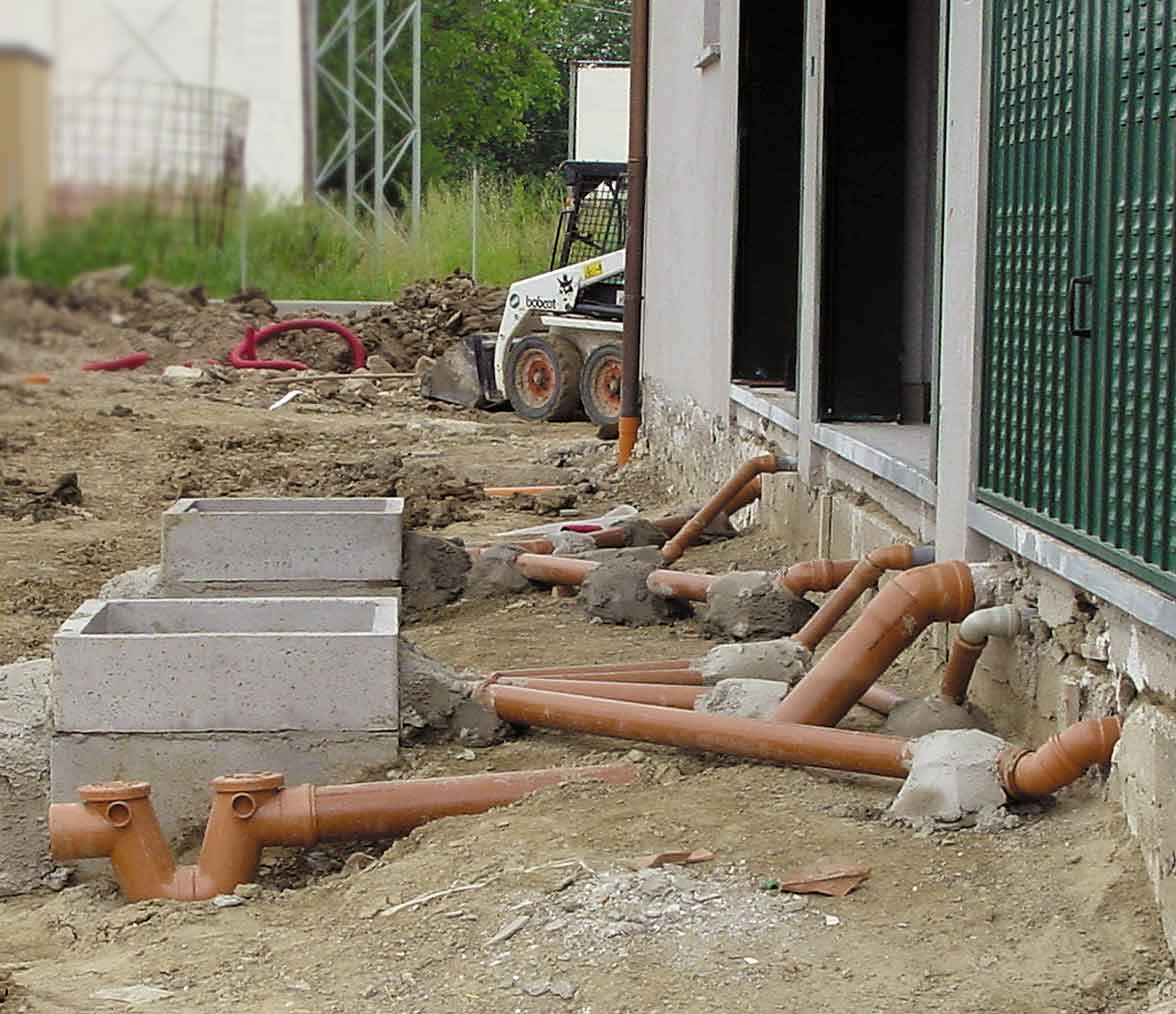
(1077, 432)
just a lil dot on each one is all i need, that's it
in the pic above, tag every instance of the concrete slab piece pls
(180, 766)
(24, 775)
(311, 539)
(159, 665)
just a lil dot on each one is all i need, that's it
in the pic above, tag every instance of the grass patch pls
(307, 251)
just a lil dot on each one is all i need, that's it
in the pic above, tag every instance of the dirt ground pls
(1054, 915)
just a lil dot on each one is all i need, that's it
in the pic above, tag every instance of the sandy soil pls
(1054, 915)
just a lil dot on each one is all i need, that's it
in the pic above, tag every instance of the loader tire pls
(542, 379)
(600, 385)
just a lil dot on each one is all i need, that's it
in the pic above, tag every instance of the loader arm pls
(555, 292)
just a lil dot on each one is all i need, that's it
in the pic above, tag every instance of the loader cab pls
(594, 222)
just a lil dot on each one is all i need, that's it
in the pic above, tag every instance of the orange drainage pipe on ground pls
(693, 529)
(116, 820)
(840, 749)
(1028, 774)
(865, 574)
(663, 695)
(676, 672)
(888, 625)
(586, 671)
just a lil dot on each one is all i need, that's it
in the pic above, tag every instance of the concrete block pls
(180, 766)
(1141, 778)
(24, 775)
(159, 665)
(307, 539)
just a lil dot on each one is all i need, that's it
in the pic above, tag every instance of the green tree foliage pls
(495, 79)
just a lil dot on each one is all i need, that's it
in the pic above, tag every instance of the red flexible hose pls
(244, 355)
(131, 362)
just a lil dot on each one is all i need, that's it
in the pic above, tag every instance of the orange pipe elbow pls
(816, 575)
(693, 529)
(1027, 774)
(888, 625)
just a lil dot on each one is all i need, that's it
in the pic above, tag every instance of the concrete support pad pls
(283, 539)
(1142, 778)
(163, 665)
(24, 775)
(179, 767)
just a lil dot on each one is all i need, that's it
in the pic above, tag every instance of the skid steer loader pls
(558, 347)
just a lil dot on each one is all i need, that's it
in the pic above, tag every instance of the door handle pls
(1072, 304)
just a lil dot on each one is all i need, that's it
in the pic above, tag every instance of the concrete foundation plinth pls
(252, 665)
(317, 541)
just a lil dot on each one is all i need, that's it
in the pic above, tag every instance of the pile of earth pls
(19, 500)
(99, 317)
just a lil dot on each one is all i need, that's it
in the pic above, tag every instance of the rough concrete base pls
(640, 532)
(24, 774)
(493, 575)
(743, 698)
(912, 719)
(572, 543)
(780, 659)
(953, 775)
(749, 605)
(639, 554)
(179, 766)
(616, 592)
(433, 572)
(1142, 779)
(436, 703)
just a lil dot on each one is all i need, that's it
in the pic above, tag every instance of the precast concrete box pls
(243, 664)
(305, 540)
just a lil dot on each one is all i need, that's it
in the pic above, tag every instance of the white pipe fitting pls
(997, 621)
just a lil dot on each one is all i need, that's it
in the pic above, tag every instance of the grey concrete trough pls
(312, 541)
(256, 665)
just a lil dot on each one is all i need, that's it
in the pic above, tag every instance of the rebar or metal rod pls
(417, 133)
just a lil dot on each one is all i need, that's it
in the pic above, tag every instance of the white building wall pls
(249, 47)
(691, 204)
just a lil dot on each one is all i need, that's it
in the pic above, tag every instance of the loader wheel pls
(600, 385)
(541, 378)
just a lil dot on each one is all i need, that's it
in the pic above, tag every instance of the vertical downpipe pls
(635, 244)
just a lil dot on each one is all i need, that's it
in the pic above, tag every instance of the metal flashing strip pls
(894, 470)
(762, 406)
(1140, 600)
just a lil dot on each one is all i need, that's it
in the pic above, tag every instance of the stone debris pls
(134, 996)
(227, 901)
(749, 605)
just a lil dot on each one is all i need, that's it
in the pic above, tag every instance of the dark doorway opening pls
(771, 96)
(880, 193)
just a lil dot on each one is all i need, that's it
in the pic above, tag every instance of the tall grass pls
(299, 251)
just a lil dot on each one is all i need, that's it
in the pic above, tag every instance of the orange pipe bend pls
(815, 575)
(888, 625)
(864, 752)
(116, 820)
(693, 529)
(863, 574)
(1028, 774)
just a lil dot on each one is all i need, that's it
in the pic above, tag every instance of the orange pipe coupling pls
(693, 529)
(865, 574)
(250, 811)
(840, 749)
(1028, 774)
(888, 625)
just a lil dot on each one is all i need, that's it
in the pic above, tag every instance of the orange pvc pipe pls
(840, 749)
(554, 569)
(505, 491)
(1028, 774)
(864, 574)
(586, 671)
(693, 529)
(957, 674)
(815, 575)
(664, 695)
(675, 677)
(116, 820)
(888, 625)
(680, 584)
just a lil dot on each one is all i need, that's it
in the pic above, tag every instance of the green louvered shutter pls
(1078, 431)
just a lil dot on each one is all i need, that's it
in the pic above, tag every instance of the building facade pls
(927, 247)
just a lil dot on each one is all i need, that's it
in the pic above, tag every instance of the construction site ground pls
(1053, 915)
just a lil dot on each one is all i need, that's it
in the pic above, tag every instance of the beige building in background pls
(24, 136)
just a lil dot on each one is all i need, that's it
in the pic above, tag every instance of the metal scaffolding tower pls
(360, 61)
